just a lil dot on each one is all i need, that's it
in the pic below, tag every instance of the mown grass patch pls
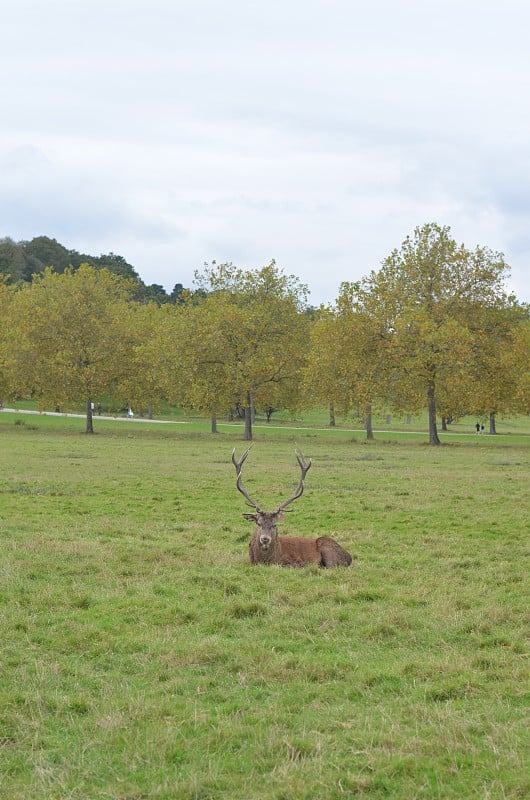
(143, 657)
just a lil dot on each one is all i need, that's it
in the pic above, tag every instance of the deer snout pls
(265, 540)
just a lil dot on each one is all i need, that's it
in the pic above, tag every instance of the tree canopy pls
(245, 340)
(20, 261)
(428, 292)
(432, 328)
(67, 338)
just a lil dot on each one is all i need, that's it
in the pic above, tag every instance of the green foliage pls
(269, 281)
(21, 260)
(433, 328)
(243, 344)
(66, 340)
(44, 252)
(13, 262)
(143, 657)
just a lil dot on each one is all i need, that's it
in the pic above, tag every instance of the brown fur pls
(267, 547)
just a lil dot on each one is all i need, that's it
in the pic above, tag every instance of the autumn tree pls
(367, 335)
(67, 340)
(495, 366)
(427, 289)
(6, 295)
(243, 339)
(141, 385)
(322, 373)
(192, 354)
(521, 353)
(342, 361)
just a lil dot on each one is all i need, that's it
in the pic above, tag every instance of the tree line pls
(21, 261)
(433, 328)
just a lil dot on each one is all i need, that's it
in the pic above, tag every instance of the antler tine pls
(239, 483)
(304, 467)
(238, 464)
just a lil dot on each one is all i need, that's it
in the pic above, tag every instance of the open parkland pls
(143, 657)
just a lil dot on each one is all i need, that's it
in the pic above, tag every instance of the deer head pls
(266, 536)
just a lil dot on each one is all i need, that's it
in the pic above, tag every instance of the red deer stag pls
(266, 547)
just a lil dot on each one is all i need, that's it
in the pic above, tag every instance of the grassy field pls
(142, 657)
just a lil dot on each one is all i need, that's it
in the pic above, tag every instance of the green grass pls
(318, 419)
(142, 657)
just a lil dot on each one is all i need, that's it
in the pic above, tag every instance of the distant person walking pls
(477, 427)
(130, 412)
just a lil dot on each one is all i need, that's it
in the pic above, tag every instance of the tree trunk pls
(331, 415)
(493, 425)
(368, 422)
(248, 418)
(89, 417)
(444, 423)
(214, 422)
(433, 431)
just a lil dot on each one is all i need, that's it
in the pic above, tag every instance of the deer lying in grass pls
(266, 547)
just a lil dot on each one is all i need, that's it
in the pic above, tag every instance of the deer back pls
(296, 551)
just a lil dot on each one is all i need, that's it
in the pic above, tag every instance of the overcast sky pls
(319, 133)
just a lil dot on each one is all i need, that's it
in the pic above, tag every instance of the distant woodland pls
(20, 261)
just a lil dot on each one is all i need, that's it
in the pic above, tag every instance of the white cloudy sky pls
(316, 132)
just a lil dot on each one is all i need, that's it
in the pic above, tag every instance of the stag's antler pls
(238, 465)
(305, 467)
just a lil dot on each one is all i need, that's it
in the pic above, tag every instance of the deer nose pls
(264, 539)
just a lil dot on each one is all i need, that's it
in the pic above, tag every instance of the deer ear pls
(251, 517)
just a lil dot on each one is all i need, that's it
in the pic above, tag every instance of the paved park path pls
(132, 420)
(96, 416)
